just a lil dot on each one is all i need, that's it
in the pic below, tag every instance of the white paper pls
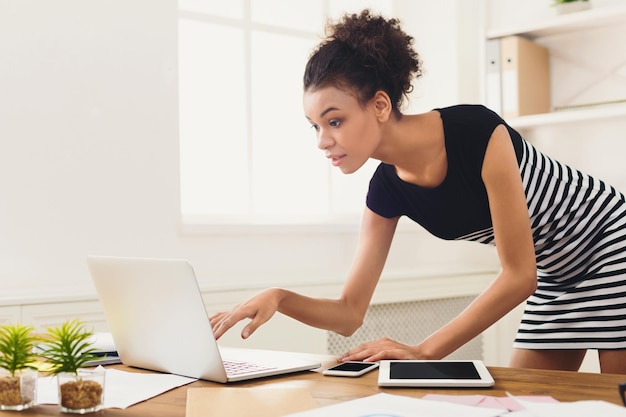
(573, 409)
(121, 389)
(398, 406)
(502, 403)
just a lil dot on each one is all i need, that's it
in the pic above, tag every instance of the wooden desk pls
(563, 386)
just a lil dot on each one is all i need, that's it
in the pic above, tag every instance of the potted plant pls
(18, 375)
(67, 348)
(569, 6)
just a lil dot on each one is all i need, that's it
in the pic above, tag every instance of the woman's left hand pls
(376, 350)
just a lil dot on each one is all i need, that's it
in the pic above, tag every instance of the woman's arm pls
(514, 244)
(515, 247)
(343, 315)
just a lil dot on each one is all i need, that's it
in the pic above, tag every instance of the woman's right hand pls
(258, 309)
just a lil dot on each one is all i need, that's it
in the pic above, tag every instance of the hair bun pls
(367, 53)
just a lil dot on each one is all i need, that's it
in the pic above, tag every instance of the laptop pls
(158, 321)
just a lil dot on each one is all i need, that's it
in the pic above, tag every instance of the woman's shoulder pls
(470, 117)
(460, 110)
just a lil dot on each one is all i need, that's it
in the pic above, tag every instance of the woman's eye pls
(315, 127)
(334, 123)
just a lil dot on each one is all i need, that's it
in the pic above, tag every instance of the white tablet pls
(428, 373)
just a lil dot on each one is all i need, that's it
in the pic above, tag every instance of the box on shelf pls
(523, 77)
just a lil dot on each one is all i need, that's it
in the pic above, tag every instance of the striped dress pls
(578, 225)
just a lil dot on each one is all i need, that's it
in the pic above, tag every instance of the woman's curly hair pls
(365, 53)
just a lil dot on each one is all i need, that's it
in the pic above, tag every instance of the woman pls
(462, 173)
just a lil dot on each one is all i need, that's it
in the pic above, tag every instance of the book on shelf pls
(519, 84)
(493, 83)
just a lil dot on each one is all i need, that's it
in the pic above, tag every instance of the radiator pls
(408, 323)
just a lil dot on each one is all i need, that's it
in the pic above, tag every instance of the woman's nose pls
(324, 141)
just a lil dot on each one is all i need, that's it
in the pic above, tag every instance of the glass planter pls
(572, 7)
(83, 392)
(18, 392)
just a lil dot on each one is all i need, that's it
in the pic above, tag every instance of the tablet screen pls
(434, 373)
(433, 370)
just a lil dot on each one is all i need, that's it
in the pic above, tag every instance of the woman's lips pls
(336, 159)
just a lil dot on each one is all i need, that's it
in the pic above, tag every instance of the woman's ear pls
(382, 105)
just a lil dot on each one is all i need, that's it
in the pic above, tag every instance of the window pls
(247, 154)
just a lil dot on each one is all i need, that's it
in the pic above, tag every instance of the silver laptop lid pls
(156, 315)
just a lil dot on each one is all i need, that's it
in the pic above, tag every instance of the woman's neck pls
(415, 145)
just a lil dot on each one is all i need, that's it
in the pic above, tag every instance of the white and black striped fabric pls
(579, 229)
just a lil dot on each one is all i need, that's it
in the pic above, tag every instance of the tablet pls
(429, 373)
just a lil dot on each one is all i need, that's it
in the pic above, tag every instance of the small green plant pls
(67, 347)
(16, 347)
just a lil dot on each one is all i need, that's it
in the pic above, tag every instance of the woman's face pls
(346, 131)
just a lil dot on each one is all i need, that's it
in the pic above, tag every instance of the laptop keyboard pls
(238, 368)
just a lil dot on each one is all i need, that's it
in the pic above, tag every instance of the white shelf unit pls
(579, 21)
(599, 112)
(587, 19)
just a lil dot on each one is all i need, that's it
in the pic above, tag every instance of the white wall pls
(448, 36)
(88, 129)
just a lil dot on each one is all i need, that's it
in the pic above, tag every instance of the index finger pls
(222, 322)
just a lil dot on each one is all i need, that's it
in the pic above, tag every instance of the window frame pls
(332, 221)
